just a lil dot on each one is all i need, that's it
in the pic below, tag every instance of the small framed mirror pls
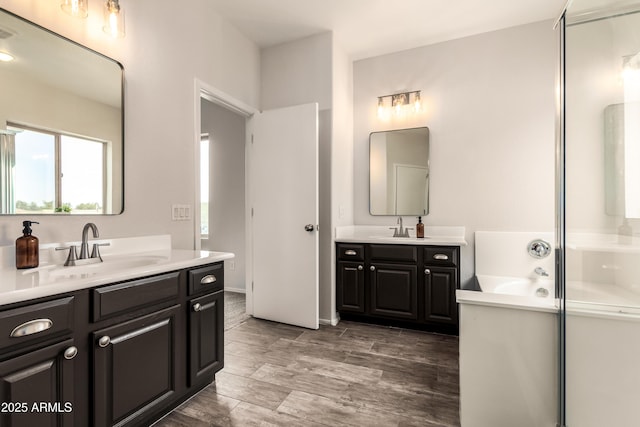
(61, 125)
(399, 172)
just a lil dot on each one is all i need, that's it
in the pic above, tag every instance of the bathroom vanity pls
(404, 281)
(120, 348)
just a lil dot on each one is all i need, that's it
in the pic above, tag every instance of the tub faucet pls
(84, 248)
(541, 272)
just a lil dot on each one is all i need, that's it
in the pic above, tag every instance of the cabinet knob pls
(104, 341)
(372, 268)
(427, 271)
(360, 268)
(197, 307)
(70, 353)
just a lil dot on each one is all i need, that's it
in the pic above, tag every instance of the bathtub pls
(536, 294)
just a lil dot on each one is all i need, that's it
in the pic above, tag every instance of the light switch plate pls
(181, 212)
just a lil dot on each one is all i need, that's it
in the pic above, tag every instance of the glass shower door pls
(601, 221)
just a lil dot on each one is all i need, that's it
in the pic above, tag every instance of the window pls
(204, 186)
(55, 172)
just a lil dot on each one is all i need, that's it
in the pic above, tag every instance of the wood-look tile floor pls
(352, 374)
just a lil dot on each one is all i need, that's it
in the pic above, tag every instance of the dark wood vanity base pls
(399, 285)
(122, 354)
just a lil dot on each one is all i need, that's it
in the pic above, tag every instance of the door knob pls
(309, 228)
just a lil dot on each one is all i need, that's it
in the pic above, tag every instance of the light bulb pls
(381, 108)
(75, 8)
(417, 103)
(113, 19)
(6, 57)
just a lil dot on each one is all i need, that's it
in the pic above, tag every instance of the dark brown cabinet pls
(135, 367)
(37, 388)
(410, 284)
(440, 284)
(350, 289)
(394, 290)
(206, 319)
(122, 354)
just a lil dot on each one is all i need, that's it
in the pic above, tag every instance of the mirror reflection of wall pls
(61, 116)
(399, 172)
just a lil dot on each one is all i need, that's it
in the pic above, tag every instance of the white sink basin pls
(108, 265)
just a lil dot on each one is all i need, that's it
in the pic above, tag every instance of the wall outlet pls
(181, 212)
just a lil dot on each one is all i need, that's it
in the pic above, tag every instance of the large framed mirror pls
(61, 124)
(399, 172)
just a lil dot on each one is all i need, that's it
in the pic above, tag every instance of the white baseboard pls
(236, 290)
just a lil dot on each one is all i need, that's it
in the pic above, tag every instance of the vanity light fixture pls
(398, 103)
(75, 8)
(6, 57)
(113, 19)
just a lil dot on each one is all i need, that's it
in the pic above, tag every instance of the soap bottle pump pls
(420, 228)
(27, 248)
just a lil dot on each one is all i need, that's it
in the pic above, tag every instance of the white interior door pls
(283, 170)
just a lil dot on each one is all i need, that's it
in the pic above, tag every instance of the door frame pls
(223, 99)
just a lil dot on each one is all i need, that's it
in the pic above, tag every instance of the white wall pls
(166, 47)
(226, 131)
(489, 103)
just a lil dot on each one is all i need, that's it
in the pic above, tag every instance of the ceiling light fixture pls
(113, 19)
(399, 101)
(75, 8)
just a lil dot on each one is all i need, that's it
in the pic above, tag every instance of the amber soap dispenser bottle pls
(420, 228)
(27, 248)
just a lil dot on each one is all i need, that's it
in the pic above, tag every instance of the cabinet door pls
(440, 295)
(206, 337)
(394, 290)
(134, 368)
(37, 389)
(350, 287)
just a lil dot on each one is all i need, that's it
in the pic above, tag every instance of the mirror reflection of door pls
(410, 195)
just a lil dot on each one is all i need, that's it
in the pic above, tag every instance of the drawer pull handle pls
(197, 307)
(31, 327)
(209, 278)
(360, 268)
(441, 257)
(104, 341)
(350, 252)
(70, 353)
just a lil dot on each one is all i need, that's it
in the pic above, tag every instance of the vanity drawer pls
(209, 278)
(399, 253)
(33, 322)
(441, 255)
(351, 252)
(120, 298)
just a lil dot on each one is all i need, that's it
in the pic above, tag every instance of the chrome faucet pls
(541, 272)
(84, 248)
(400, 232)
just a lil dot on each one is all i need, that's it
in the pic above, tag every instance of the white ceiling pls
(366, 28)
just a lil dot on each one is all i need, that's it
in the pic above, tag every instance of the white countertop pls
(124, 259)
(434, 235)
